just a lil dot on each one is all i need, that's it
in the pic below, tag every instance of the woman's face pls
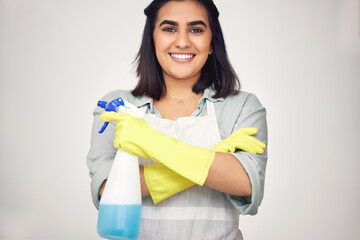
(182, 38)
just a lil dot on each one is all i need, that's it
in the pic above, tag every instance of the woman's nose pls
(182, 40)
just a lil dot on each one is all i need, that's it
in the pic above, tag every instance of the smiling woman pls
(200, 166)
(182, 41)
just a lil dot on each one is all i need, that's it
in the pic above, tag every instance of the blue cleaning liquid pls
(119, 222)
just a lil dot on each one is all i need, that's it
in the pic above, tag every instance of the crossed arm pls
(224, 171)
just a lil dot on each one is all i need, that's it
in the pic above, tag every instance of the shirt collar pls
(209, 93)
(142, 101)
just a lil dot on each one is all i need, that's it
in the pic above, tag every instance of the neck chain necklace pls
(180, 100)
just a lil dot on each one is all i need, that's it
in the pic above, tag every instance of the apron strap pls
(210, 108)
(212, 115)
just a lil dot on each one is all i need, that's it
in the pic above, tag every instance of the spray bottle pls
(120, 204)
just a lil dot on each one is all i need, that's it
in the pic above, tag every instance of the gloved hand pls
(241, 139)
(137, 137)
(163, 183)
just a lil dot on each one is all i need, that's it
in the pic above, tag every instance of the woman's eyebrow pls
(173, 23)
(198, 22)
(169, 22)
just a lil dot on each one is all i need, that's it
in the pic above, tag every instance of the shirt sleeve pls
(252, 114)
(102, 152)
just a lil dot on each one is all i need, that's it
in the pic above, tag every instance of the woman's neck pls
(180, 87)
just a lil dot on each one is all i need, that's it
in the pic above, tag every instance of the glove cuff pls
(189, 161)
(163, 182)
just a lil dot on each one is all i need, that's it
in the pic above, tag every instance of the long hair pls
(217, 71)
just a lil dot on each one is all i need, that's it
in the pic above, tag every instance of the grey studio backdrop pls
(301, 58)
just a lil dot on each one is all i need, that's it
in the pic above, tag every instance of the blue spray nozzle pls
(111, 107)
(102, 104)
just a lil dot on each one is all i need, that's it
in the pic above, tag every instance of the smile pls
(182, 57)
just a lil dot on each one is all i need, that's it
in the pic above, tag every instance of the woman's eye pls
(196, 30)
(169, 29)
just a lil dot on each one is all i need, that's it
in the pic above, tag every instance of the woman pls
(187, 87)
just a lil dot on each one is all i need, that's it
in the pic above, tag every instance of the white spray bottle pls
(120, 204)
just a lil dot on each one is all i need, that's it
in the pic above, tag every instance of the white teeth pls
(182, 56)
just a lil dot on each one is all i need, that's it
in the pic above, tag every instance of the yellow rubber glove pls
(163, 183)
(241, 139)
(137, 137)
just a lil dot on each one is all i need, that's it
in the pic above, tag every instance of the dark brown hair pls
(217, 71)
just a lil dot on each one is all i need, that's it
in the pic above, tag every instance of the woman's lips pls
(182, 57)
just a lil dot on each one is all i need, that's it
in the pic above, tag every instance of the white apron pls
(198, 212)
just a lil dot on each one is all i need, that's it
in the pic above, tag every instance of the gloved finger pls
(117, 143)
(225, 147)
(236, 139)
(245, 131)
(252, 147)
(248, 147)
(245, 145)
(254, 141)
(111, 116)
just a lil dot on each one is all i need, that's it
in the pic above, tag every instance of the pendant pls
(180, 101)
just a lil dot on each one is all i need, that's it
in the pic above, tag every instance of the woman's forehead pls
(182, 11)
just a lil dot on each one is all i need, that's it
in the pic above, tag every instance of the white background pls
(301, 58)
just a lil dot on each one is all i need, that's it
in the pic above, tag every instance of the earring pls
(210, 52)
